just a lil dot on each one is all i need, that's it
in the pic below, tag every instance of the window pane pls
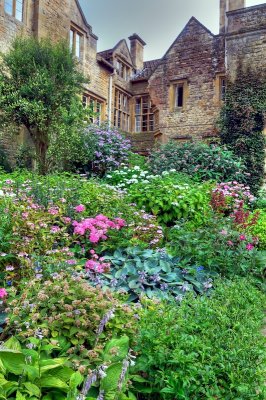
(138, 123)
(19, 9)
(151, 127)
(138, 106)
(9, 6)
(77, 45)
(179, 96)
(222, 88)
(71, 40)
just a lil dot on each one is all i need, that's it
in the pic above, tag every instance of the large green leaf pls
(75, 380)
(32, 389)
(13, 344)
(52, 382)
(13, 361)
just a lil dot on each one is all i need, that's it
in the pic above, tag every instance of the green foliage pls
(40, 86)
(4, 162)
(30, 372)
(200, 161)
(136, 160)
(152, 273)
(259, 229)
(208, 348)
(219, 247)
(69, 311)
(242, 121)
(171, 199)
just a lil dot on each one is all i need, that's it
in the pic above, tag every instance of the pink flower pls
(223, 232)
(80, 208)
(3, 293)
(249, 246)
(242, 237)
(230, 243)
(53, 211)
(66, 220)
(71, 262)
(54, 229)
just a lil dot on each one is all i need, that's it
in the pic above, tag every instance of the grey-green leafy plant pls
(152, 273)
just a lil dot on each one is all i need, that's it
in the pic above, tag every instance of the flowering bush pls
(170, 201)
(67, 310)
(112, 149)
(219, 246)
(198, 160)
(230, 196)
(124, 177)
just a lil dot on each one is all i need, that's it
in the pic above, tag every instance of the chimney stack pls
(137, 50)
(228, 5)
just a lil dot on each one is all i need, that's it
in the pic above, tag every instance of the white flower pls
(1, 193)
(136, 168)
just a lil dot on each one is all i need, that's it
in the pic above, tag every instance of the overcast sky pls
(157, 22)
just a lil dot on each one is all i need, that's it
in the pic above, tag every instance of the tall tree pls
(243, 118)
(40, 89)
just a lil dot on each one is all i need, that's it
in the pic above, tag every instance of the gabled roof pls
(85, 19)
(108, 53)
(148, 68)
(192, 20)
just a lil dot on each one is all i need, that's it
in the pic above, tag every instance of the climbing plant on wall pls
(242, 120)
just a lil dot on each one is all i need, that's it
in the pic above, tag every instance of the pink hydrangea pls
(3, 293)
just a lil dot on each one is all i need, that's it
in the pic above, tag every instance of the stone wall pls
(195, 58)
(246, 38)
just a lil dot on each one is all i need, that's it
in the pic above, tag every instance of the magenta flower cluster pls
(96, 228)
(235, 191)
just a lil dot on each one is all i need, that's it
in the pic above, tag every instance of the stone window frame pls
(143, 115)
(220, 87)
(121, 117)
(97, 107)
(173, 97)
(77, 33)
(14, 9)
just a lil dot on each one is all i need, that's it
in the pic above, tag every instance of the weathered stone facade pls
(178, 96)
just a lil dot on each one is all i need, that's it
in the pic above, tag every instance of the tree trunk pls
(41, 151)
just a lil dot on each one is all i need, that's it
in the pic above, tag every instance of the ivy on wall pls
(242, 121)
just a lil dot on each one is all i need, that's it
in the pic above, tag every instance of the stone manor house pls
(177, 96)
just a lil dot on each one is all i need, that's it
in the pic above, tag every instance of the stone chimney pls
(228, 5)
(137, 50)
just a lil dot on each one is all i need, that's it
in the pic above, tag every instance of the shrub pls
(209, 347)
(198, 160)
(152, 273)
(259, 229)
(78, 318)
(111, 149)
(229, 196)
(170, 199)
(219, 247)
